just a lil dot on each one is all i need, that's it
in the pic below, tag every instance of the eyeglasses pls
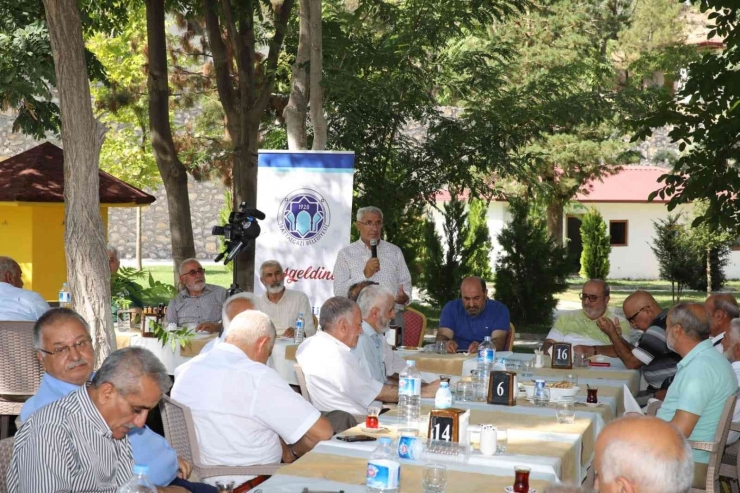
(369, 224)
(64, 351)
(194, 272)
(631, 319)
(590, 297)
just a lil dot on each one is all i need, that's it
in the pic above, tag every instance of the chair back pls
(716, 447)
(179, 429)
(509, 346)
(415, 327)
(20, 369)
(301, 377)
(6, 453)
(652, 407)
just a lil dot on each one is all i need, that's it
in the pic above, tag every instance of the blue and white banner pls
(307, 198)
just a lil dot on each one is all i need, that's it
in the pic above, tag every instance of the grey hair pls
(7, 264)
(111, 249)
(604, 286)
(269, 263)
(52, 317)
(693, 326)
(727, 303)
(371, 209)
(249, 327)
(566, 488)
(225, 320)
(179, 268)
(125, 368)
(334, 310)
(653, 472)
(733, 333)
(373, 296)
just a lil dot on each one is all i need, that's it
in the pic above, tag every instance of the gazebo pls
(32, 213)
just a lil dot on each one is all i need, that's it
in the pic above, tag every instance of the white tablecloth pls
(277, 361)
(169, 358)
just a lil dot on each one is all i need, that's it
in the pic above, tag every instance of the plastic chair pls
(716, 447)
(20, 370)
(730, 466)
(6, 453)
(179, 430)
(416, 326)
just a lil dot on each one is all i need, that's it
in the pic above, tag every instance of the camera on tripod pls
(239, 231)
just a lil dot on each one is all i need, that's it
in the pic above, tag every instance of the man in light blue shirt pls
(64, 347)
(704, 381)
(376, 355)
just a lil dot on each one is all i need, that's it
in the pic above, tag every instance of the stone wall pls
(15, 143)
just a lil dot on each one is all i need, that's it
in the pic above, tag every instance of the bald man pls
(642, 455)
(466, 321)
(721, 308)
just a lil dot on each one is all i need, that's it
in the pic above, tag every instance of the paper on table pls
(630, 404)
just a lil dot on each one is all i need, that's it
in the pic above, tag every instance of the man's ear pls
(623, 485)
(106, 392)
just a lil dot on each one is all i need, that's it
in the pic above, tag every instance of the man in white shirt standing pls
(244, 413)
(335, 376)
(357, 262)
(283, 305)
(731, 346)
(16, 303)
(376, 305)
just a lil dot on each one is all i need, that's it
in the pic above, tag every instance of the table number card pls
(562, 356)
(502, 389)
(448, 425)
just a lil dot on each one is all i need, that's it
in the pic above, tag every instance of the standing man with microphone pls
(371, 259)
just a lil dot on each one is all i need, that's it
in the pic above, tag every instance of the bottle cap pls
(385, 440)
(141, 469)
(444, 384)
(488, 338)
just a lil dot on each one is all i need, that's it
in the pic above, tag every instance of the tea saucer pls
(593, 404)
(373, 430)
(510, 489)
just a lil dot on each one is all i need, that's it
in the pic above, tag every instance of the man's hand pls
(401, 297)
(210, 327)
(287, 454)
(451, 347)
(430, 389)
(171, 489)
(184, 468)
(612, 329)
(587, 351)
(371, 267)
(473, 348)
(289, 332)
(660, 394)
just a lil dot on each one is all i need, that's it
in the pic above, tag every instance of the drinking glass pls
(566, 410)
(440, 347)
(521, 480)
(592, 397)
(225, 487)
(572, 378)
(480, 379)
(435, 478)
(502, 440)
(580, 360)
(466, 391)
(371, 421)
(541, 397)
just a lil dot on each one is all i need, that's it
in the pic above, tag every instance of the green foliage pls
(530, 271)
(710, 242)
(128, 278)
(675, 253)
(596, 246)
(478, 241)
(181, 336)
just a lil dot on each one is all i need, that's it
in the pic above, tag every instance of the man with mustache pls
(198, 304)
(283, 305)
(64, 348)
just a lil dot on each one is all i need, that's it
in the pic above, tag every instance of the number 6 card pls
(501, 389)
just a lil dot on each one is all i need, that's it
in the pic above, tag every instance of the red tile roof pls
(37, 175)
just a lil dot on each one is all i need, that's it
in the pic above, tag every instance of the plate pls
(373, 430)
(510, 489)
(409, 348)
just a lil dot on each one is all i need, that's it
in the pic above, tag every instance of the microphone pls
(255, 213)
(374, 247)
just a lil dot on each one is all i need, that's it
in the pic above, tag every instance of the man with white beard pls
(376, 355)
(283, 305)
(197, 304)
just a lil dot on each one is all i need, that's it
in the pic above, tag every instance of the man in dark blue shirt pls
(466, 321)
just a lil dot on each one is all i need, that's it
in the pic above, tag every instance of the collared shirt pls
(186, 309)
(285, 312)
(376, 355)
(241, 408)
(703, 383)
(350, 268)
(148, 447)
(576, 328)
(717, 342)
(335, 377)
(467, 329)
(18, 304)
(659, 362)
(68, 447)
(734, 435)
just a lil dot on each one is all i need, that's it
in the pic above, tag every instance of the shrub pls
(596, 246)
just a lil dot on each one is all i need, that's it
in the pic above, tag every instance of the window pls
(618, 232)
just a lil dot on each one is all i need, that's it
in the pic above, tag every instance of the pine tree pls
(596, 246)
(477, 245)
(675, 254)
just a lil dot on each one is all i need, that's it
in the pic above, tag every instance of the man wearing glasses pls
(580, 327)
(198, 304)
(356, 262)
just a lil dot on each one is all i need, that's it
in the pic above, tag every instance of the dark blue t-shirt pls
(468, 329)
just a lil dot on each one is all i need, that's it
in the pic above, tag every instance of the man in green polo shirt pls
(703, 382)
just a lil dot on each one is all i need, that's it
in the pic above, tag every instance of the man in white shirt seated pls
(335, 376)
(283, 305)
(233, 306)
(16, 303)
(377, 307)
(731, 347)
(244, 413)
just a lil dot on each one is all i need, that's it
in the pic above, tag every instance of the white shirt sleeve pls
(404, 276)
(555, 335)
(342, 274)
(38, 304)
(394, 363)
(283, 410)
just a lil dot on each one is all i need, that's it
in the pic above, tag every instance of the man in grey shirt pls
(197, 304)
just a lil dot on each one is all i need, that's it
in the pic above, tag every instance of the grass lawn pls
(218, 274)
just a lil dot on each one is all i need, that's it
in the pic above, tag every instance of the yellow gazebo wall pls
(33, 235)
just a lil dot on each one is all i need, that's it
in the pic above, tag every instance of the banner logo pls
(303, 217)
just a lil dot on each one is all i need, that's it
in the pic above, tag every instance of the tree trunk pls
(317, 90)
(555, 222)
(174, 174)
(295, 111)
(709, 271)
(88, 273)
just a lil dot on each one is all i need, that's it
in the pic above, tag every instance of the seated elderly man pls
(722, 308)
(16, 303)
(233, 306)
(283, 305)
(580, 328)
(198, 304)
(80, 442)
(642, 455)
(335, 376)
(377, 356)
(731, 347)
(702, 384)
(244, 413)
(466, 321)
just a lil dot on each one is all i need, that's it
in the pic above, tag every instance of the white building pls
(622, 199)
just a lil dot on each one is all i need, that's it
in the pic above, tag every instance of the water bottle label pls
(299, 324)
(409, 386)
(486, 355)
(383, 474)
(407, 448)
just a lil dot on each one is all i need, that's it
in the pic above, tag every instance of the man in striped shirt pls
(80, 442)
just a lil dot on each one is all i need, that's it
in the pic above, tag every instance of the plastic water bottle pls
(421, 449)
(299, 331)
(486, 355)
(383, 469)
(443, 397)
(409, 399)
(65, 297)
(139, 482)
